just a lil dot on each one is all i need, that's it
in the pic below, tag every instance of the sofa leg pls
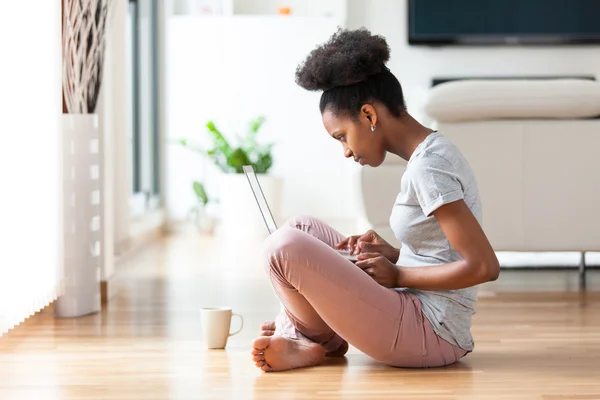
(582, 271)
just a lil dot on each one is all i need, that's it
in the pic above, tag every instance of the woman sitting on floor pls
(408, 307)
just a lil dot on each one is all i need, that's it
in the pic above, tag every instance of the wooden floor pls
(536, 338)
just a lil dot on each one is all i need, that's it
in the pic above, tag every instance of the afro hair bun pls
(348, 57)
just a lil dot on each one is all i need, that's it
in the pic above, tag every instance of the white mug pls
(215, 325)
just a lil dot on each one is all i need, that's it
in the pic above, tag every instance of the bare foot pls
(267, 329)
(277, 353)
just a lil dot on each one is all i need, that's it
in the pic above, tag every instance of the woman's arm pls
(479, 263)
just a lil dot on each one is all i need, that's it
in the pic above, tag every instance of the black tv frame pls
(492, 40)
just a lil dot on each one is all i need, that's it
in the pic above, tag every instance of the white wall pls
(233, 69)
(30, 158)
(416, 66)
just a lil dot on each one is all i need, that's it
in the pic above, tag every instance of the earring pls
(372, 128)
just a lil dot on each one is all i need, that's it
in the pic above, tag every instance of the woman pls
(408, 307)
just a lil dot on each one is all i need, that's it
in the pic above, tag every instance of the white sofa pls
(535, 149)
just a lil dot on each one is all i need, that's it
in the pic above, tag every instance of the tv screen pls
(513, 22)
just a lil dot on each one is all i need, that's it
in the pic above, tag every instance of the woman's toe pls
(266, 368)
(268, 326)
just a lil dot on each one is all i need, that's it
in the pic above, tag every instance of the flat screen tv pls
(503, 22)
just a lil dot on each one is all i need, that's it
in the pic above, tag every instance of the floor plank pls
(536, 336)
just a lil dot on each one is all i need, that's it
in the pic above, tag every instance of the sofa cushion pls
(475, 99)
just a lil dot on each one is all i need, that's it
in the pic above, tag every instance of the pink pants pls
(329, 300)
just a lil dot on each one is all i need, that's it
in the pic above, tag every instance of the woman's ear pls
(368, 112)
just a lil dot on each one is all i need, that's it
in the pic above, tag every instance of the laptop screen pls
(260, 198)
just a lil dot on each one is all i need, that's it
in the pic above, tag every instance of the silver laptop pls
(266, 211)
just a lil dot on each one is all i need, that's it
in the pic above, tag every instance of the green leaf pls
(200, 192)
(238, 159)
(219, 140)
(256, 123)
(230, 159)
(264, 163)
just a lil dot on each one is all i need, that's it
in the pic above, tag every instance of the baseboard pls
(142, 232)
(126, 250)
(133, 245)
(545, 260)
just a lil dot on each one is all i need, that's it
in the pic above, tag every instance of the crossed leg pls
(323, 295)
(328, 302)
(286, 325)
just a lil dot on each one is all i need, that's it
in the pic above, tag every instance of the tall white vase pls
(82, 213)
(240, 216)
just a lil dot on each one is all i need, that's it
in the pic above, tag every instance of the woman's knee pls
(284, 243)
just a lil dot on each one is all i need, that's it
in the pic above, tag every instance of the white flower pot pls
(82, 216)
(240, 216)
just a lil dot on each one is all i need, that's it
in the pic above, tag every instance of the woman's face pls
(358, 141)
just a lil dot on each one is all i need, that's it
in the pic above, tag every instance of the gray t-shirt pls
(436, 174)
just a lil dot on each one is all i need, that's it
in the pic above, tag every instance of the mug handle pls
(242, 324)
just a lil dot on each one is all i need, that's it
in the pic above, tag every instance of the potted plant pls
(239, 214)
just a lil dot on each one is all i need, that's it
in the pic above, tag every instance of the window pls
(144, 132)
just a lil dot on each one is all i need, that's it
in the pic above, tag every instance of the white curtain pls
(30, 154)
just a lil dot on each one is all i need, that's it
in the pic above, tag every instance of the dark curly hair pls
(350, 70)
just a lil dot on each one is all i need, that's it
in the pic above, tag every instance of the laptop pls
(266, 211)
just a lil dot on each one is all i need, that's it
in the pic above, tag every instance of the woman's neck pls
(406, 134)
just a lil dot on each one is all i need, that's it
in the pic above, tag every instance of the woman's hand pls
(382, 270)
(369, 242)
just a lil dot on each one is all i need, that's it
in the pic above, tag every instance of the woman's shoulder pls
(439, 153)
